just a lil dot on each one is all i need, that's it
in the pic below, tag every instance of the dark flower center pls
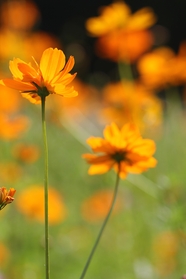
(119, 156)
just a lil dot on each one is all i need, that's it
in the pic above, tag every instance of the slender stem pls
(47, 262)
(103, 226)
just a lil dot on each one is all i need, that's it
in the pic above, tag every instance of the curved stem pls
(47, 263)
(103, 226)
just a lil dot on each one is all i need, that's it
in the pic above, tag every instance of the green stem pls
(47, 262)
(103, 226)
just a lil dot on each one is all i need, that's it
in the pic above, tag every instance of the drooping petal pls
(52, 62)
(17, 85)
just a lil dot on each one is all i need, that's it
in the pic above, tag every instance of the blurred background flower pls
(31, 203)
(146, 236)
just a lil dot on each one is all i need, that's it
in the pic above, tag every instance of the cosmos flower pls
(124, 150)
(6, 197)
(50, 77)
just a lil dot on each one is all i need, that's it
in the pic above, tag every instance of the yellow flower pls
(6, 197)
(50, 77)
(119, 16)
(124, 150)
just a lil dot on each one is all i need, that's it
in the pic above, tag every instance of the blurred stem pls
(47, 264)
(103, 226)
(125, 71)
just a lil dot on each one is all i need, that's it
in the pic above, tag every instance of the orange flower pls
(10, 100)
(12, 126)
(154, 67)
(27, 153)
(165, 247)
(132, 101)
(10, 172)
(96, 207)
(4, 254)
(122, 35)
(6, 197)
(124, 150)
(19, 15)
(31, 202)
(51, 77)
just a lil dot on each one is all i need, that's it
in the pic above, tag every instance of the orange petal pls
(99, 169)
(17, 85)
(52, 62)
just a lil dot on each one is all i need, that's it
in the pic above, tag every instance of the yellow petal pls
(13, 66)
(52, 62)
(142, 19)
(99, 169)
(60, 89)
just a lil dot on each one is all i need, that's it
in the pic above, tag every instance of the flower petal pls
(17, 85)
(52, 62)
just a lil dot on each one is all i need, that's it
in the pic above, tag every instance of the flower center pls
(119, 156)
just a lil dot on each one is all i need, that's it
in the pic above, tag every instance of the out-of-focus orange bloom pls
(11, 46)
(96, 207)
(12, 126)
(125, 101)
(122, 149)
(86, 102)
(124, 46)
(10, 172)
(123, 35)
(36, 42)
(6, 197)
(27, 153)
(19, 15)
(31, 203)
(51, 77)
(165, 249)
(4, 254)
(154, 67)
(10, 100)
(162, 67)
